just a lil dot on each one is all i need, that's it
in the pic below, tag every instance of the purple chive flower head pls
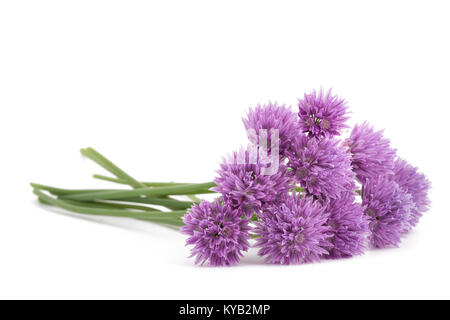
(322, 114)
(416, 184)
(243, 183)
(349, 226)
(217, 232)
(372, 155)
(388, 208)
(273, 117)
(294, 232)
(322, 167)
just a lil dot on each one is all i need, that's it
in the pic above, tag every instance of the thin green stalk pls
(147, 184)
(91, 204)
(110, 205)
(60, 191)
(173, 217)
(111, 167)
(200, 188)
(171, 204)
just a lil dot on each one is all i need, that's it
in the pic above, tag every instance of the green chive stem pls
(111, 167)
(173, 217)
(200, 188)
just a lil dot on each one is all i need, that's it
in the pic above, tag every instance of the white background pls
(160, 88)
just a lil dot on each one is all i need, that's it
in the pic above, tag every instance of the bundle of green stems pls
(145, 200)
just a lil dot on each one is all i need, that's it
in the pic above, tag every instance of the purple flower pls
(293, 232)
(270, 117)
(416, 184)
(349, 226)
(322, 167)
(322, 114)
(217, 232)
(388, 208)
(372, 155)
(244, 185)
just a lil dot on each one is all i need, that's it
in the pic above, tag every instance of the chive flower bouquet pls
(299, 191)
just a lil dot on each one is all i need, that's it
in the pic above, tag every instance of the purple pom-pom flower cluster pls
(414, 183)
(272, 117)
(372, 155)
(329, 197)
(243, 184)
(322, 114)
(295, 231)
(388, 208)
(217, 232)
(349, 226)
(322, 167)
